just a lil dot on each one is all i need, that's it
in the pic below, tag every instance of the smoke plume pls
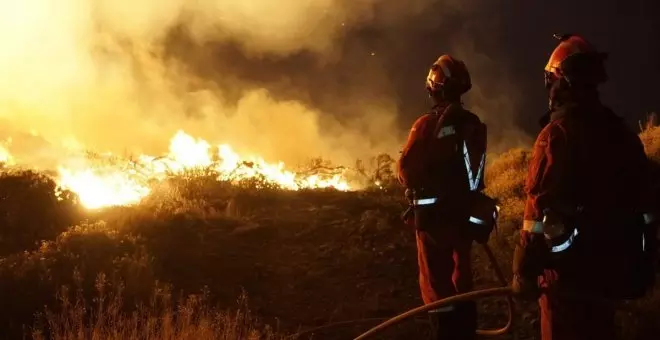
(286, 80)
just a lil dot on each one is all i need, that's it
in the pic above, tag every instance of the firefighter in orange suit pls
(589, 224)
(441, 163)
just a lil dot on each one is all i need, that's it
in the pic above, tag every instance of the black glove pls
(410, 194)
(408, 214)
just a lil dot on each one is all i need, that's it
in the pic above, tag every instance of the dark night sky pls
(505, 44)
(521, 43)
(628, 30)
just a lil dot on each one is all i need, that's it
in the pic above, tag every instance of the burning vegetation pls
(107, 180)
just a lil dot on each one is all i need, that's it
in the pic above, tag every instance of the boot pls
(456, 322)
(443, 323)
(467, 320)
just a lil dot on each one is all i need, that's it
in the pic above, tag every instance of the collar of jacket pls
(446, 109)
(595, 110)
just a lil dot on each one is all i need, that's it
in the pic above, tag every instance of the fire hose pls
(501, 291)
(450, 300)
(474, 295)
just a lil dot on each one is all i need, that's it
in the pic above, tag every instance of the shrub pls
(505, 178)
(32, 209)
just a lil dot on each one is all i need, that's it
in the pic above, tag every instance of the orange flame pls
(107, 186)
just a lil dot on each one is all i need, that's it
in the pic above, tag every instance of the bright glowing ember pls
(99, 186)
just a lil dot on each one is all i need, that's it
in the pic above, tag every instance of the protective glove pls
(525, 288)
(529, 260)
(408, 216)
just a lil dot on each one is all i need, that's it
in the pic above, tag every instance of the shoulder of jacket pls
(552, 131)
(463, 113)
(472, 117)
(424, 120)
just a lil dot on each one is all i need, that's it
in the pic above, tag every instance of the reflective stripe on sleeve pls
(425, 201)
(532, 226)
(476, 220)
(565, 244)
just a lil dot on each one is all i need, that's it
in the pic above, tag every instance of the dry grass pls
(162, 318)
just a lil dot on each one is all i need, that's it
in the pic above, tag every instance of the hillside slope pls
(304, 259)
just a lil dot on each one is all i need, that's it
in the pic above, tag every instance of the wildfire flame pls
(5, 156)
(101, 186)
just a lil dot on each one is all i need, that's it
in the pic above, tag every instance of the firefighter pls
(442, 168)
(585, 241)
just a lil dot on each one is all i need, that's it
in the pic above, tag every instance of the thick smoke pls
(287, 80)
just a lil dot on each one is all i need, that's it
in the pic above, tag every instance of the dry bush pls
(200, 193)
(505, 178)
(651, 139)
(379, 173)
(32, 209)
(30, 280)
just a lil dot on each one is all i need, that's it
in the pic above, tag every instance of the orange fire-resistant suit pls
(588, 238)
(588, 168)
(442, 161)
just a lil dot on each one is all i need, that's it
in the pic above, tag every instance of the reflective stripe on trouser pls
(443, 309)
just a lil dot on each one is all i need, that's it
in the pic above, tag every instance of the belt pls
(433, 200)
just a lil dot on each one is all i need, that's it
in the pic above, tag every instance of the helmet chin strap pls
(562, 92)
(439, 97)
(557, 94)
